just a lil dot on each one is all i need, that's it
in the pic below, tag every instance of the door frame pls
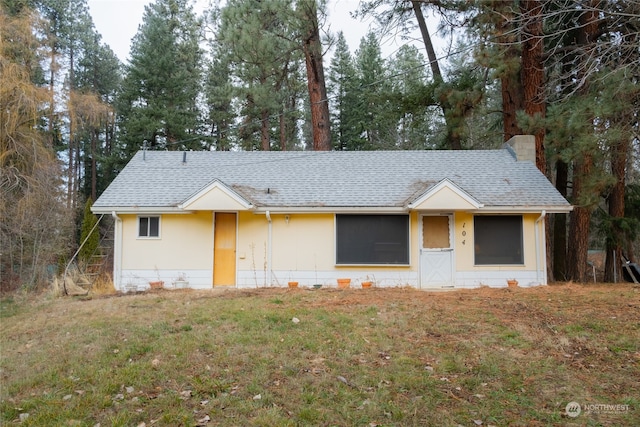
(451, 249)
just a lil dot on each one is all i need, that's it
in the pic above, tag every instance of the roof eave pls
(138, 210)
(525, 209)
(329, 209)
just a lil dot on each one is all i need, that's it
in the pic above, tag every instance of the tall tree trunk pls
(283, 132)
(511, 91)
(265, 143)
(78, 176)
(532, 76)
(532, 73)
(580, 218)
(510, 81)
(579, 222)
(320, 120)
(560, 226)
(94, 173)
(72, 129)
(616, 210)
(453, 133)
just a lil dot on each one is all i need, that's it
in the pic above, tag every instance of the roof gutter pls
(117, 251)
(124, 210)
(524, 209)
(269, 245)
(328, 209)
(541, 237)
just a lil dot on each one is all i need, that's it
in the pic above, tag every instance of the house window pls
(148, 226)
(498, 239)
(372, 239)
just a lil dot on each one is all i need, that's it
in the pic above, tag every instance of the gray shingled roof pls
(338, 179)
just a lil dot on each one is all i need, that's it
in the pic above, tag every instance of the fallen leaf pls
(204, 420)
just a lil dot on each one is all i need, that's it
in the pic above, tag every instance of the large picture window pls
(498, 239)
(148, 226)
(372, 239)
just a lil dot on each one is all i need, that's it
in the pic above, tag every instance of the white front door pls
(436, 251)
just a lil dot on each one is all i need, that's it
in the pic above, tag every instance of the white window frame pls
(149, 217)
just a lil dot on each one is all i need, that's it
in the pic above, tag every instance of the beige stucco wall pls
(301, 248)
(304, 243)
(251, 246)
(185, 243)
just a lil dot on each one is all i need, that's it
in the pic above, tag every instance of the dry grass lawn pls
(280, 357)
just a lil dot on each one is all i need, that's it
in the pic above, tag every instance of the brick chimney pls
(523, 147)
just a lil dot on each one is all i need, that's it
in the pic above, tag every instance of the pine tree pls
(343, 96)
(409, 89)
(375, 123)
(158, 104)
(219, 95)
(259, 43)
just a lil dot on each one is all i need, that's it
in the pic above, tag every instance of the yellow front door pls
(224, 250)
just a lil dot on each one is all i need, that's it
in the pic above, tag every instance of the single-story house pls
(426, 219)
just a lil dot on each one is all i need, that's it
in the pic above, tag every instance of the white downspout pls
(544, 248)
(117, 251)
(269, 233)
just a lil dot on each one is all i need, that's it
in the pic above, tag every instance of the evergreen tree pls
(590, 71)
(98, 79)
(219, 96)
(343, 96)
(89, 233)
(409, 87)
(34, 225)
(309, 34)
(83, 77)
(375, 123)
(261, 48)
(158, 104)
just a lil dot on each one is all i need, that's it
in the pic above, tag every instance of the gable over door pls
(224, 249)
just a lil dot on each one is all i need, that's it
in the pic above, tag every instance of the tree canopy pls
(250, 75)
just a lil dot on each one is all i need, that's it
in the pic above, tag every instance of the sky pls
(117, 21)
